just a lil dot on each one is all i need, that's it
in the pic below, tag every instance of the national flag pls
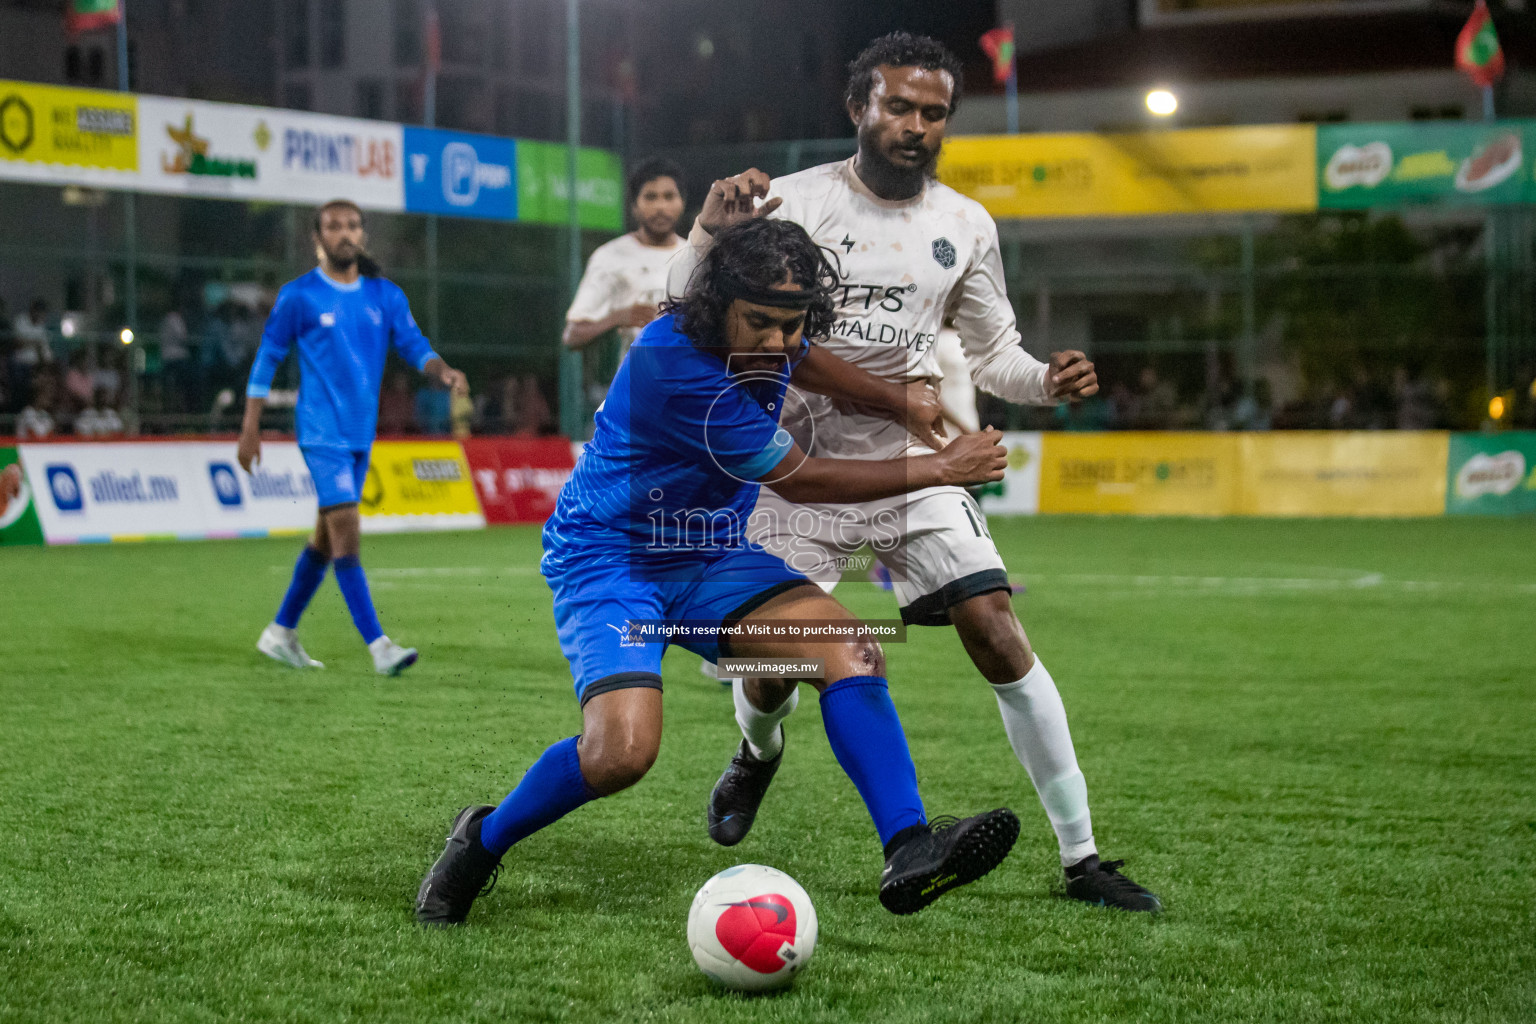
(85, 15)
(998, 45)
(1478, 53)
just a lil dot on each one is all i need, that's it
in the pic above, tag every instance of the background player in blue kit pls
(651, 527)
(343, 317)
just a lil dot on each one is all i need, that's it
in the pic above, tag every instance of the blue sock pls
(308, 573)
(867, 740)
(551, 789)
(354, 587)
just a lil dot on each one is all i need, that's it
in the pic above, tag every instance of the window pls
(333, 33)
(296, 96)
(465, 26)
(408, 101)
(370, 98)
(296, 33)
(528, 114)
(409, 30)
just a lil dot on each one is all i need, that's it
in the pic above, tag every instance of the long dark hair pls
(754, 256)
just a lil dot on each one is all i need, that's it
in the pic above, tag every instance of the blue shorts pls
(595, 605)
(338, 474)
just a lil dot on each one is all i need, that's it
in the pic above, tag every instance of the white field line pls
(1226, 586)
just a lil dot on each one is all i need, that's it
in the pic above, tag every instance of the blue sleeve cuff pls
(422, 365)
(766, 459)
(257, 390)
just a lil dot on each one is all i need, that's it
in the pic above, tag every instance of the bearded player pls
(914, 253)
(343, 317)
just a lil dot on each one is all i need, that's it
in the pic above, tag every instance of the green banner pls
(1491, 474)
(1364, 165)
(18, 517)
(543, 186)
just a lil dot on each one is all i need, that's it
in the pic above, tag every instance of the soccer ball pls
(752, 928)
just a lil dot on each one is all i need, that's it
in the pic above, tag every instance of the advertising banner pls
(419, 485)
(96, 493)
(1200, 170)
(460, 175)
(1365, 165)
(277, 498)
(82, 136)
(1487, 474)
(518, 478)
(18, 516)
(1018, 493)
(543, 186)
(1140, 473)
(230, 151)
(1341, 473)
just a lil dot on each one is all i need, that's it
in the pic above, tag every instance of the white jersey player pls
(914, 254)
(626, 279)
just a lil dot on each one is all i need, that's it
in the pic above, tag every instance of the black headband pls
(733, 287)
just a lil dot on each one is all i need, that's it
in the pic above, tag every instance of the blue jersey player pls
(649, 534)
(342, 317)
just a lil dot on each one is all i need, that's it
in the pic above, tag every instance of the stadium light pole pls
(572, 406)
(130, 238)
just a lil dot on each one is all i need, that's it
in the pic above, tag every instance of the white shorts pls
(934, 542)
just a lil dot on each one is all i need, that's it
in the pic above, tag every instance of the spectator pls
(1156, 402)
(79, 379)
(1415, 402)
(176, 361)
(397, 406)
(432, 409)
(36, 420)
(100, 418)
(533, 415)
(30, 350)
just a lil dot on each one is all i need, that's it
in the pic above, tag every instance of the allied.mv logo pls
(944, 253)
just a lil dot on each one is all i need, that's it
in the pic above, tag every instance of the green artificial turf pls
(1313, 739)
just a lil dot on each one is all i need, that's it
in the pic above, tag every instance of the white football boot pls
(282, 644)
(389, 658)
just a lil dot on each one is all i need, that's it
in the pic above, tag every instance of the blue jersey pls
(668, 480)
(343, 332)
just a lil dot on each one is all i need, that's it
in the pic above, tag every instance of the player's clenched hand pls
(249, 452)
(454, 380)
(924, 415)
(973, 459)
(733, 200)
(1071, 376)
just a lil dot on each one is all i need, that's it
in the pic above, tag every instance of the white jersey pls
(623, 273)
(906, 266)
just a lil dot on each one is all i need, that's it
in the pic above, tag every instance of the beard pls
(342, 259)
(872, 150)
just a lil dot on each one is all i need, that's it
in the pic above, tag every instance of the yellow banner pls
(73, 127)
(1198, 170)
(1387, 473)
(1140, 473)
(415, 484)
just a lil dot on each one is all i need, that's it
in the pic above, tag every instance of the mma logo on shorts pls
(944, 253)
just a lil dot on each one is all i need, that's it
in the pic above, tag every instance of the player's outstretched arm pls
(916, 405)
(969, 459)
(447, 376)
(579, 334)
(249, 451)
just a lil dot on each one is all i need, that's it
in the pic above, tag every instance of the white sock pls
(1036, 723)
(761, 728)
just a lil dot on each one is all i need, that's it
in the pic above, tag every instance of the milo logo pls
(1490, 474)
(1366, 166)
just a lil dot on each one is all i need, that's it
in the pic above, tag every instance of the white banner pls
(1020, 494)
(230, 151)
(95, 493)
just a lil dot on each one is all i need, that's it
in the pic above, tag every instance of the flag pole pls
(1488, 103)
(1012, 89)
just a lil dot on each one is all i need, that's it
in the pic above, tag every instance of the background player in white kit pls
(626, 279)
(914, 253)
